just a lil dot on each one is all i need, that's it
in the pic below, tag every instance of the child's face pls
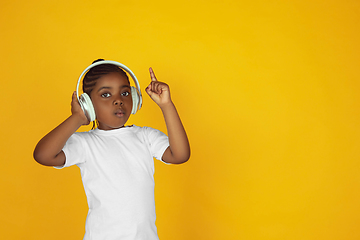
(112, 101)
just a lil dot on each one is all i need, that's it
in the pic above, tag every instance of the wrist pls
(79, 119)
(167, 105)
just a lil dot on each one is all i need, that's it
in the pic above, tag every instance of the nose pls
(118, 101)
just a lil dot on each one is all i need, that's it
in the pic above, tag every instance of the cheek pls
(99, 108)
(130, 101)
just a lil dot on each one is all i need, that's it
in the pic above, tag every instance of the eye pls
(105, 95)
(125, 94)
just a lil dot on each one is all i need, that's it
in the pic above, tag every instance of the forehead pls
(113, 78)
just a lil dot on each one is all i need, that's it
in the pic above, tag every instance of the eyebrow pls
(105, 87)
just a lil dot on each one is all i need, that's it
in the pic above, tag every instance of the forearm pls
(179, 150)
(49, 149)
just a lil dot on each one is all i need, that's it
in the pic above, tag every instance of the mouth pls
(119, 113)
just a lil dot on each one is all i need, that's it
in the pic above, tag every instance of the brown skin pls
(179, 149)
(48, 151)
(112, 102)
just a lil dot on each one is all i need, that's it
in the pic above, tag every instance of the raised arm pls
(48, 151)
(179, 149)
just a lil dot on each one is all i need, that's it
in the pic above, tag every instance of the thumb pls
(148, 90)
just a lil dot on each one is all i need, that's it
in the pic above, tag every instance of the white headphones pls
(85, 101)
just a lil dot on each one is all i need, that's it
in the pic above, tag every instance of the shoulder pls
(80, 137)
(151, 135)
(145, 130)
(83, 134)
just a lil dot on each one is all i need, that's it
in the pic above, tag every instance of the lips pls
(119, 113)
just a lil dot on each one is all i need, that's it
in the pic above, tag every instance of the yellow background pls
(267, 91)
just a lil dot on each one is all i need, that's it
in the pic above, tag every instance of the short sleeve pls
(158, 142)
(74, 151)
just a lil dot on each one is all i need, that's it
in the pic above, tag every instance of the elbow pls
(183, 158)
(38, 157)
(43, 159)
(177, 157)
(187, 157)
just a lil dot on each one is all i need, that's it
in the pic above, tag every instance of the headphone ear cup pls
(135, 98)
(87, 107)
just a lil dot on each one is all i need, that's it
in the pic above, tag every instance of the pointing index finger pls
(152, 75)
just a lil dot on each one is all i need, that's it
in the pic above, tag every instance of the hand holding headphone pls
(85, 100)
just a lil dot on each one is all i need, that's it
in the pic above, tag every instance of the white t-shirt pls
(117, 170)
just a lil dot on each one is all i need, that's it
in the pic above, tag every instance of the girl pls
(116, 161)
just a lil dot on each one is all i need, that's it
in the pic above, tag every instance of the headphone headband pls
(122, 66)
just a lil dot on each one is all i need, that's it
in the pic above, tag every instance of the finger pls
(148, 88)
(159, 88)
(155, 87)
(152, 75)
(73, 97)
(148, 91)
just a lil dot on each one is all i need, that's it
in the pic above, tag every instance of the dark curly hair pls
(98, 71)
